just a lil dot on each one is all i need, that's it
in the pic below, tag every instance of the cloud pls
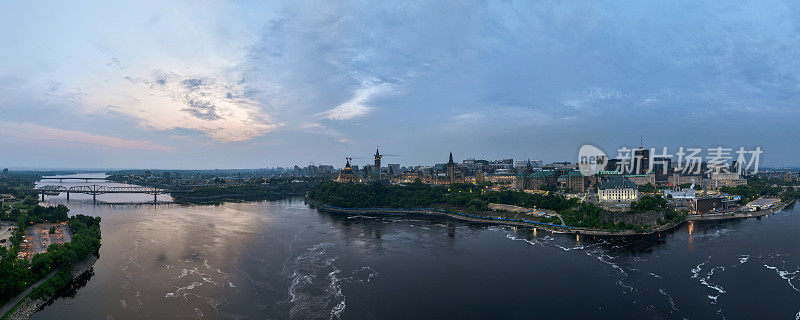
(164, 101)
(591, 96)
(28, 131)
(357, 106)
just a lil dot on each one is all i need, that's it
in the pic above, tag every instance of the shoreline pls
(731, 216)
(562, 229)
(24, 309)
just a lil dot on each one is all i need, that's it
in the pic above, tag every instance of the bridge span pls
(95, 190)
(85, 179)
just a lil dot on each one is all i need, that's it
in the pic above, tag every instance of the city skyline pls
(238, 85)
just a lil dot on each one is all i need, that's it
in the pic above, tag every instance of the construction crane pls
(378, 156)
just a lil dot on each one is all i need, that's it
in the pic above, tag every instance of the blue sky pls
(167, 84)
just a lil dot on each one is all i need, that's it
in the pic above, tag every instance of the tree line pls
(469, 197)
(19, 273)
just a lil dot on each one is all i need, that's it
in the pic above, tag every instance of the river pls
(284, 260)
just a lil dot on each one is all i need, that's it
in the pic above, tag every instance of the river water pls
(284, 260)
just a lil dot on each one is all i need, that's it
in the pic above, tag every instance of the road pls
(21, 296)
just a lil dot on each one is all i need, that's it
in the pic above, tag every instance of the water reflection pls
(281, 259)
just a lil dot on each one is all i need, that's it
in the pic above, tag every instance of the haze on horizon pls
(227, 84)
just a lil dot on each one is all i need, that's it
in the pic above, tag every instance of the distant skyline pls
(227, 84)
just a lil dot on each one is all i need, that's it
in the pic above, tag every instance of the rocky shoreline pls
(546, 226)
(549, 227)
(29, 306)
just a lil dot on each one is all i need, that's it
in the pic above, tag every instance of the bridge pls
(95, 190)
(61, 179)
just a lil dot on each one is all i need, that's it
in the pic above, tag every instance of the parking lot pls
(38, 237)
(5, 234)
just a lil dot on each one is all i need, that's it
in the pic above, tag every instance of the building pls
(678, 179)
(641, 179)
(708, 204)
(524, 177)
(542, 178)
(575, 182)
(617, 189)
(394, 168)
(347, 174)
(376, 169)
(662, 168)
(761, 204)
(725, 179)
(451, 170)
(686, 193)
(641, 161)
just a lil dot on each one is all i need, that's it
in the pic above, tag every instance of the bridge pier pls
(42, 196)
(67, 195)
(155, 197)
(94, 197)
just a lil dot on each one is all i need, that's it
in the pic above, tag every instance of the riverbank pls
(25, 306)
(547, 226)
(493, 220)
(727, 216)
(232, 197)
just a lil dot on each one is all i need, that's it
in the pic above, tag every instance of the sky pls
(235, 84)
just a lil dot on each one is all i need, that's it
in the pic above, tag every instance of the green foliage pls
(697, 186)
(30, 201)
(474, 198)
(19, 273)
(649, 203)
(755, 188)
(790, 194)
(648, 188)
(418, 194)
(275, 188)
(353, 195)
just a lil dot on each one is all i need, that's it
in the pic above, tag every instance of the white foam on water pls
(230, 284)
(362, 275)
(336, 312)
(569, 249)
(655, 275)
(669, 298)
(797, 316)
(785, 275)
(531, 242)
(696, 270)
(743, 258)
(205, 264)
(715, 235)
(189, 287)
(315, 289)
